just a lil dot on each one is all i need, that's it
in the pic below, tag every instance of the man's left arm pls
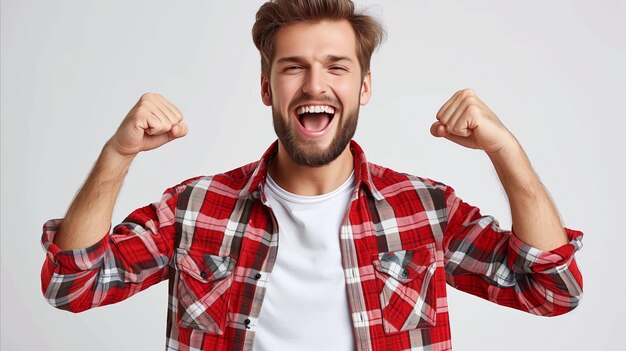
(539, 243)
(534, 215)
(467, 121)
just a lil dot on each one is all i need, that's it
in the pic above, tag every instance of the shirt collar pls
(362, 174)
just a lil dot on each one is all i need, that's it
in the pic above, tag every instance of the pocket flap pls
(405, 265)
(204, 267)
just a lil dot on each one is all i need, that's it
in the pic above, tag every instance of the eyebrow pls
(327, 58)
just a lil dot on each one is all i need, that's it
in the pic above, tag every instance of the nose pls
(314, 82)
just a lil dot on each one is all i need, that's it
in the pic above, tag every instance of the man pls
(365, 252)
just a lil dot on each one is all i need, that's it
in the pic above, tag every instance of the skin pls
(464, 119)
(151, 123)
(467, 121)
(312, 78)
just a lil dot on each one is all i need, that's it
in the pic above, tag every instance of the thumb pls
(178, 131)
(438, 130)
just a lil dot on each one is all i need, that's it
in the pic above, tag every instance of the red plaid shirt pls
(215, 240)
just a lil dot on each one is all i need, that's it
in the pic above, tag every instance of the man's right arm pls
(88, 218)
(86, 266)
(152, 122)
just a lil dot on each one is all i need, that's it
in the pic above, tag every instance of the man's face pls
(315, 89)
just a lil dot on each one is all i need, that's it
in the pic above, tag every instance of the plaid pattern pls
(215, 240)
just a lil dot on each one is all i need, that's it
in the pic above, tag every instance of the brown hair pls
(276, 14)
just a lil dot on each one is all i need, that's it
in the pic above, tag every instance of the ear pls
(366, 89)
(266, 91)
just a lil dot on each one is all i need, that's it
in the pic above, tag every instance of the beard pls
(307, 153)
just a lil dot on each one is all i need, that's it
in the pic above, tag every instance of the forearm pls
(535, 218)
(89, 216)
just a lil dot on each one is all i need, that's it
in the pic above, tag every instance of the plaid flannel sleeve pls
(489, 262)
(129, 259)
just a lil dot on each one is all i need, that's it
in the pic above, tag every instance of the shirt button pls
(203, 274)
(247, 322)
(257, 276)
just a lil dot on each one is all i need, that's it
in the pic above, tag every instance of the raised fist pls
(152, 122)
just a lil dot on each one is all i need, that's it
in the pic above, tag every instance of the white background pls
(553, 71)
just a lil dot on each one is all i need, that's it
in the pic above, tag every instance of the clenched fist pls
(152, 122)
(467, 121)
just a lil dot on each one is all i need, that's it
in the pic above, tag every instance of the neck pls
(310, 181)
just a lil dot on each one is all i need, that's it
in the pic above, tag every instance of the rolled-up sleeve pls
(133, 256)
(492, 263)
(71, 261)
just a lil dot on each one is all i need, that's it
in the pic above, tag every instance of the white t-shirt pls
(306, 304)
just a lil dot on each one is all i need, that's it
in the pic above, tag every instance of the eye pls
(292, 68)
(338, 68)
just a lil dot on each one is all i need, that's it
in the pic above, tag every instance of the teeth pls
(315, 109)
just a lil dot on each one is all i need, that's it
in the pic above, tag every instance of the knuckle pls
(473, 109)
(150, 96)
(468, 92)
(144, 103)
(141, 109)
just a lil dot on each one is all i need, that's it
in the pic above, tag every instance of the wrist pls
(111, 151)
(112, 165)
(510, 149)
(514, 168)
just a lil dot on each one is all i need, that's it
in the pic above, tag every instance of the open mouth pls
(315, 118)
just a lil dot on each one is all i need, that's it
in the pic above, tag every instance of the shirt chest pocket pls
(407, 288)
(203, 290)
